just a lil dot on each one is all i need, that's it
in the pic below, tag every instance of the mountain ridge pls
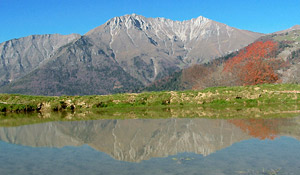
(295, 27)
(130, 48)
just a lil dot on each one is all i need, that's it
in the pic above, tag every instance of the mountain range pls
(122, 55)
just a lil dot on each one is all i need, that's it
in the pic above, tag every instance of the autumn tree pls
(255, 64)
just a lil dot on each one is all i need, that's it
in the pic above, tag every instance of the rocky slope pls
(80, 68)
(124, 53)
(21, 56)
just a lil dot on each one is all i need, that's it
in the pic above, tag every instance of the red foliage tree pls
(254, 64)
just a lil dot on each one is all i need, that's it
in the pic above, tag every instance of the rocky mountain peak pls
(185, 30)
(127, 21)
(200, 21)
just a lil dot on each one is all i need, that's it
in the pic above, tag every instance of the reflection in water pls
(131, 140)
(138, 140)
(259, 128)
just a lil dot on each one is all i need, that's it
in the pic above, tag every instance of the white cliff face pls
(184, 30)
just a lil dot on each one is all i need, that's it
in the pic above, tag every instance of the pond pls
(153, 146)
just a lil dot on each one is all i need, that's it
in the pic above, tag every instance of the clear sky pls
(21, 18)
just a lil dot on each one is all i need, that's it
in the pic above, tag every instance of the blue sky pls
(21, 18)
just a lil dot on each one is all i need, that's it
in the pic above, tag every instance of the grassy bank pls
(233, 112)
(218, 97)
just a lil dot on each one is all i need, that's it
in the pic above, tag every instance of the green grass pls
(249, 95)
(266, 100)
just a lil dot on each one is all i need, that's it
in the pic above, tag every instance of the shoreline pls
(216, 96)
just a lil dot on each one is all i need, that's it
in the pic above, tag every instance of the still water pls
(153, 146)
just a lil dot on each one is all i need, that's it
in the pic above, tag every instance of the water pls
(153, 146)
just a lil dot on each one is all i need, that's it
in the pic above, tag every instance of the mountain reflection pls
(135, 140)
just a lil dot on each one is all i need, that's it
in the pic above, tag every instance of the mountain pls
(21, 56)
(158, 44)
(121, 55)
(79, 68)
(276, 58)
